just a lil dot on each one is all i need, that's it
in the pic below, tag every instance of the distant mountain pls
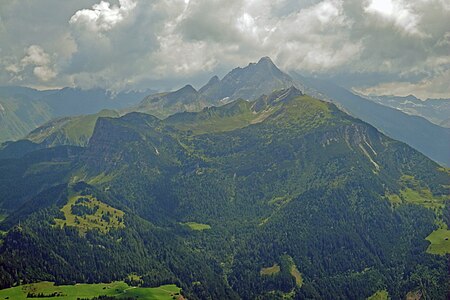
(430, 139)
(165, 104)
(23, 109)
(445, 123)
(233, 115)
(61, 106)
(263, 78)
(77, 130)
(68, 130)
(75, 101)
(248, 83)
(285, 196)
(20, 112)
(436, 111)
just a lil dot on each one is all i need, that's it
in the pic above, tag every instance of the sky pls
(396, 47)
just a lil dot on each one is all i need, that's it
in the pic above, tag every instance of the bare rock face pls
(248, 83)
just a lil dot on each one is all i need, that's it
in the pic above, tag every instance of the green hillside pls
(87, 291)
(281, 197)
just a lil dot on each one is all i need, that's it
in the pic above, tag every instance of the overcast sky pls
(376, 46)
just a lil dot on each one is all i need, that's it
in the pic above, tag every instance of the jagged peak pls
(275, 97)
(265, 60)
(211, 82)
(187, 88)
(412, 98)
(285, 94)
(294, 90)
(214, 79)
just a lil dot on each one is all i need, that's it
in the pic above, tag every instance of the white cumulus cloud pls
(40, 62)
(397, 12)
(103, 16)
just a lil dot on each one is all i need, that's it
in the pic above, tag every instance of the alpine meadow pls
(314, 165)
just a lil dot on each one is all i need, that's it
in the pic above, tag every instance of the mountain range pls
(246, 83)
(283, 196)
(416, 131)
(436, 111)
(24, 109)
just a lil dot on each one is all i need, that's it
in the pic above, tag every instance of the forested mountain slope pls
(283, 196)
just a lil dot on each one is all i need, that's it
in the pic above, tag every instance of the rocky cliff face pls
(248, 83)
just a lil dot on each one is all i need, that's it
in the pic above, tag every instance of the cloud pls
(134, 44)
(35, 56)
(315, 38)
(44, 73)
(434, 87)
(38, 60)
(396, 11)
(103, 16)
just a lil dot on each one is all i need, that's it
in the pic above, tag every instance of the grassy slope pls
(216, 119)
(304, 110)
(440, 241)
(197, 226)
(275, 269)
(72, 292)
(91, 221)
(413, 192)
(380, 295)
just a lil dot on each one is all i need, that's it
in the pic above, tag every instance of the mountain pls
(247, 83)
(75, 130)
(165, 104)
(261, 78)
(75, 101)
(237, 114)
(20, 112)
(23, 109)
(430, 139)
(285, 196)
(436, 111)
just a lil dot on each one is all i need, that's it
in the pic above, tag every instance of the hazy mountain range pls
(246, 83)
(434, 110)
(23, 109)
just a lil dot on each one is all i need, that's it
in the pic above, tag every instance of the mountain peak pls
(214, 80)
(248, 83)
(187, 88)
(266, 60)
(283, 95)
(211, 83)
(184, 91)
